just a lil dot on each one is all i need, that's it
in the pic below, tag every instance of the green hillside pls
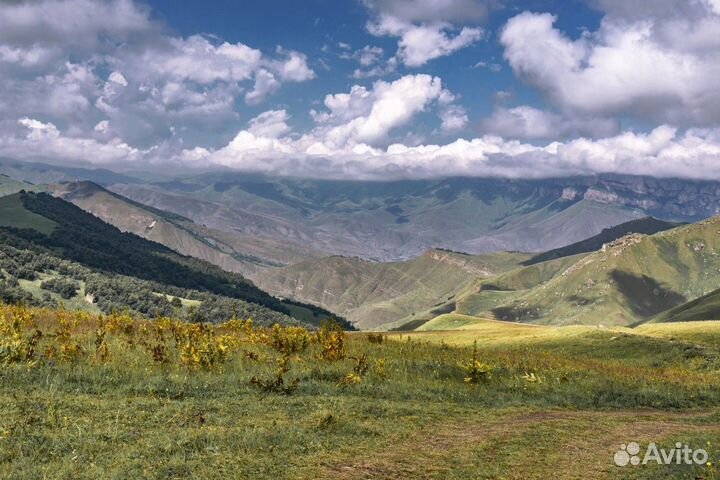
(9, 185)
(704, 308)
(13, 214)
(628, 281)
(373, 294)
(48, 238)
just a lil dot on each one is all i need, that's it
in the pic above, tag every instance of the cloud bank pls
(344, 144)
(101, 82)
(75, 63)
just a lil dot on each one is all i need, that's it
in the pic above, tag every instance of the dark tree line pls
(116, 293)
(86, 239)
(65, 287)
(124, 272)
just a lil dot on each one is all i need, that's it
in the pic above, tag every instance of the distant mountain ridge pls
(176, 231)
(397, 220)
(389, 221)
(630, 278)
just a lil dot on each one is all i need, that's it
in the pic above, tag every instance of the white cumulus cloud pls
(526, 122)
(270, 124)
(662, 152)
(426, 29)
(628, 66)
(75, 63)
(418, 44)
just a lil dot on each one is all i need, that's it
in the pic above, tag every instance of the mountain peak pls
(75, 189)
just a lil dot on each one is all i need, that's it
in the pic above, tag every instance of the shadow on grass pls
(644, 295)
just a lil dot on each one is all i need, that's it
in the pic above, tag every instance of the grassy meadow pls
(84, 396)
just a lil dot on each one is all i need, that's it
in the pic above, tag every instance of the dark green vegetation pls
(64, 287)
(117, 398)
(52, 239)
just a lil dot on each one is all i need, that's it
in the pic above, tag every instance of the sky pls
(364, 89)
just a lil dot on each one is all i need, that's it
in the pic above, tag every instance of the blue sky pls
(370, 89)
(317, 27)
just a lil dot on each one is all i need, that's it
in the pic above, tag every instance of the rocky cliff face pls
(667, 198)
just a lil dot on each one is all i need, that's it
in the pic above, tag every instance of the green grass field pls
(77, 303)
(120, 398)
(13, 214)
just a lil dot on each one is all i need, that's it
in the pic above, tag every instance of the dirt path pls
(541, 444)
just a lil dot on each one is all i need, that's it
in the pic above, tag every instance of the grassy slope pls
(701, 332)
(13, 214)
(77, 303)
(374, 295)
(131, 417)
(635, 346)
(647, 226)
(631, 281)
(706, 307)
(8, 185)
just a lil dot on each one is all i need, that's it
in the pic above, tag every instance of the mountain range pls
(608, 249)
(390, 221)
(396, 220)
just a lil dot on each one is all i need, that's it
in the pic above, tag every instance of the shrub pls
(331, 338)
(289, 339)
(202, 348)
(475, 370)
(359, 371)
(277, 383)
(67, 289)
(375, 337)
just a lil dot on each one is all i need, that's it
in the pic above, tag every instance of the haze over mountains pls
(400, 254)
(397, 220)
